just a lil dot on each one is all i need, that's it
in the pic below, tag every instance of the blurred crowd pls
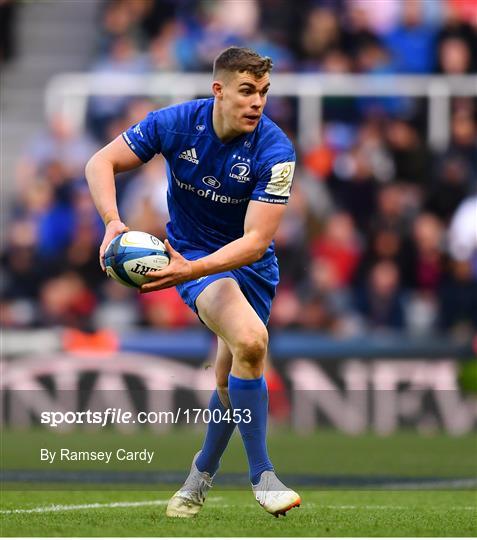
(380, 234)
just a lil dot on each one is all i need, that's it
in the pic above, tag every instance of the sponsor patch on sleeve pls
(128, 140)
(281, 179)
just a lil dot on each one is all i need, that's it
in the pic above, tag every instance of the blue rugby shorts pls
(258, 282)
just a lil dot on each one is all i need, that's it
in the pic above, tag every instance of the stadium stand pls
(365, 246)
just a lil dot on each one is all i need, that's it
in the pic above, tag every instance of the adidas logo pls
(189, 155)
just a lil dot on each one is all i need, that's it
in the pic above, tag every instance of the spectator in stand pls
(81, 255)
(123, 57)
(339, 245)
(165, 309)
(279, 20)
(391, 211)
(155, 15)
(353, 186)
(290, 239)
(66, 300)
(427, 266)
(142, 20)
(465, 10)
(454, 173)
(209, 27)
(321, 33)
(117, 21)
(286, 309)
(412, 42)
(162, 50)
(21, 274)
(336, 61)
(373, 58)
(60, 143)
(55, 222)
(70, 208)
(326, 304)
(380, 20)
(381, 301)
(358, 32)
(144, 200)
(464, 139)
(455, 57)
(388, 236)
(317, 314)
(370, 138)
(119, 309)
(452, 178)
(458, 296)
(457, 26)
(458, 292)
(409, 153)
(428, 237)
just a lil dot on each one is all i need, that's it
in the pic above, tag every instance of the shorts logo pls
(211, 181)
(189, 155)
(240, 172)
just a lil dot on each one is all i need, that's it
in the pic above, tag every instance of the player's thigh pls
(225, 310)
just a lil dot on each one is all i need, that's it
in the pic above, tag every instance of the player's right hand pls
(113, 228)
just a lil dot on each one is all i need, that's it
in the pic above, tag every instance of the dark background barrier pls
(380, 384)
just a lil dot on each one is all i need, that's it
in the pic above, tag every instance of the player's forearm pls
(100, 176)
(245, 250)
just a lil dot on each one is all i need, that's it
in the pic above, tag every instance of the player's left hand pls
(177, 271)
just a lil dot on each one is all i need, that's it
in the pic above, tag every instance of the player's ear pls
(218, 89)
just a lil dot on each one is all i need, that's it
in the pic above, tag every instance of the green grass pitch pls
(81, 509)
(235, 513)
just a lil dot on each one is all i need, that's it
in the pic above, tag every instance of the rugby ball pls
(131, 255)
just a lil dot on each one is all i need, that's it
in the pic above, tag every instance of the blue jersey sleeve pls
(149, 136)
(275, 180)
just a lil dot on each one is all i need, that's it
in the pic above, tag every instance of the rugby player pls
(230, 170)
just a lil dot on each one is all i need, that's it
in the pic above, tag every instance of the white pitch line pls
(161, 502)
(91, 506)
(305, 504)
(377, 507)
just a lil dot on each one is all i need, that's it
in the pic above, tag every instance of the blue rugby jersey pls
(211, 182)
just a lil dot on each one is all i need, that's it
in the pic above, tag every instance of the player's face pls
(244, 98)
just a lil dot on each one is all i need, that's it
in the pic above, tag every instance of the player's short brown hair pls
(241, 59)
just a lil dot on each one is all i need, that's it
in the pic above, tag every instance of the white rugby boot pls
(274, 496)
(188, 501)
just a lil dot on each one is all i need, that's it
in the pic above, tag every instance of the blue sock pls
(252, 394)
(216, 439)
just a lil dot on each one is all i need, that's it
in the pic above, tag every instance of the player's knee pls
(252, 345)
